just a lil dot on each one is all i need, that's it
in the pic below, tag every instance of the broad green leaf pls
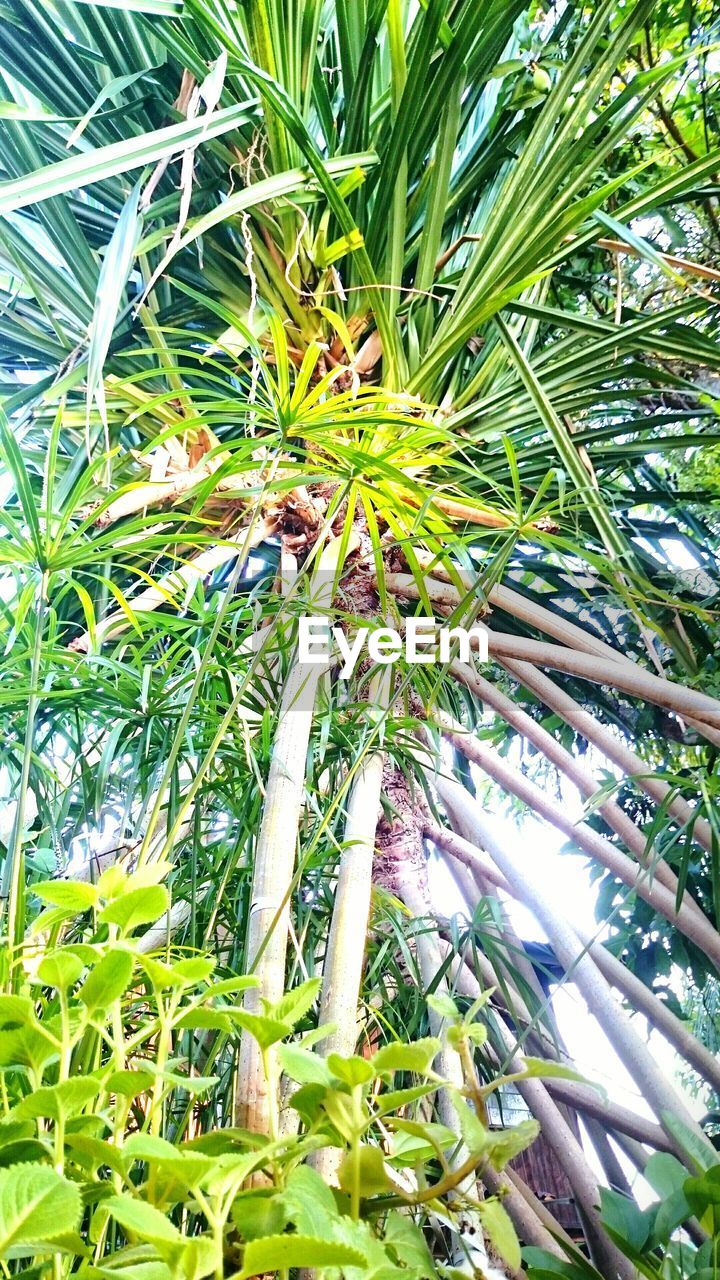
(194, 1085)
(188, 1167)
(27, 1046)
(352, 1071)
(228, 986)
(72, 895)
(500, 1231)
(267, 1031)
(129, 1083)
(395, 1099)
(16, 1011)
(93, 1154)
(208, 1019)
(671, 1213)
(701, 1153)
(366, 1167)
(408, 1244)
(161, 975)
(136, 1270)
(544, 1067)
(259, 1213)
(60, 969)
(703, 1193)
(142, 1220)
(309, 1201)
(114, 880)
(415, 1140)
(36, 1205)
(417, 1056)
(107, 981)
(59, 1101)
(296, 1003)
(665, 1173)
(444, 1006)
(624, 1219)
(136, 907)
(230, 1170)
(149, 1146)
(194, 970)
(475, 1135)
(505, 1144)
(341, 1111)
(276, 1253)
(303, 1066)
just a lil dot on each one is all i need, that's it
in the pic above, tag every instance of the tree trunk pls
(269, 913)
(344, 958)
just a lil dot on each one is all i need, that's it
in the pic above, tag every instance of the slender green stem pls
(12, 871)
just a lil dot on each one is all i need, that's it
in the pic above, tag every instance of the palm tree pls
(365, 310)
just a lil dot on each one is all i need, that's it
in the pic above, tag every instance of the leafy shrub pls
(105, 1170)
(650, 1237)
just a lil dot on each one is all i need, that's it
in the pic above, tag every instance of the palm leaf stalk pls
(662, 1097)
(616, 973)
(642, 881)
(566, 1149)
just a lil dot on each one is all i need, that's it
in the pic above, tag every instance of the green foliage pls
(649, 1238)
(102, 1045)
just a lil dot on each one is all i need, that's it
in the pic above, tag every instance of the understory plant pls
(111, 1161)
